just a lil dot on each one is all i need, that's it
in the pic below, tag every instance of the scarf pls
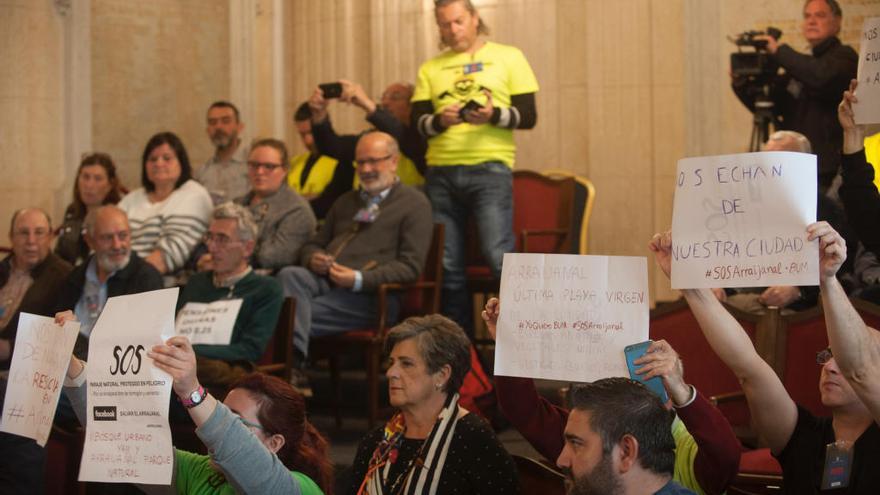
(422, 475)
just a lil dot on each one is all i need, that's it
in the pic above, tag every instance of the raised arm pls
(539, 421)
(773, 411)
(855, 346)
(715, 450)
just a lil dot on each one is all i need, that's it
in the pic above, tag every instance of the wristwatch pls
(195, 398)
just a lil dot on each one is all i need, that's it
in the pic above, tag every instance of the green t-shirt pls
(195, 476)
(453, 77)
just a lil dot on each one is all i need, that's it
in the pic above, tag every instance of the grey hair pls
(801, 140)
(482, 28)
(440, 342)
(92, 217)
(836, 11)
(246, 226)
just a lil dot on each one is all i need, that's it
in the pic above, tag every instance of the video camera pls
(755, 65)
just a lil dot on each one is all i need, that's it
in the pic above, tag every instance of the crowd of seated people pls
(328, 227)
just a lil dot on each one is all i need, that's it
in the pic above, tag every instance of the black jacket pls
(137, 276)
(807, 95)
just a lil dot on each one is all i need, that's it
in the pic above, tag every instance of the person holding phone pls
(807, 447)
(390, 115)
(467, 102)
(707, 451)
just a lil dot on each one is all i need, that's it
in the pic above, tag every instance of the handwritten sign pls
(567, 317)
(36, 375)
(127, 433)
(867, 110)
(208, 323)
(740, 221)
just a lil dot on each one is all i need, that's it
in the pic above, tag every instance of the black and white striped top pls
(174, 226)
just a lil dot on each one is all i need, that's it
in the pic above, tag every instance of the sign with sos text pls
(127, 435)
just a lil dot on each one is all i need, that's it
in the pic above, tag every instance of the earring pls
(438, 386)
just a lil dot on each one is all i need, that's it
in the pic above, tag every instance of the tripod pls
(761, 119)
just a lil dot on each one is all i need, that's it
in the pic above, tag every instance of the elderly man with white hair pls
(231, 238)
(112, 270)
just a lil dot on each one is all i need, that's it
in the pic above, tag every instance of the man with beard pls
(618, 441)
(378, 234)
(224, 175)
(113, 270)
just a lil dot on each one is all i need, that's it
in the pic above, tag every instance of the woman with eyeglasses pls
(96, 185)
(169, 214)
(259, 438)
(284, 218)
(431, 445)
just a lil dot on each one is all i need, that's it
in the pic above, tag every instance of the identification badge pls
(838, 465)
(471, 68)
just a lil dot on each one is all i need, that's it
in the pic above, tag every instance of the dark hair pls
(276, 145)
(112, 197)
(440, 341)
(225, 104)
(303, 113)
(282, 411)
(174, 142)
(620, 406)
(832, 4)
(482, 28)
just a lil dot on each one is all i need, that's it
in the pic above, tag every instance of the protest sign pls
(567, 317)
(36, 375)
(867, 110)
(127, 433)
(740, 221)
(208, 323)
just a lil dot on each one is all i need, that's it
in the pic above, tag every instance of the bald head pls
(395, 99)
(788, 141)
(31, 235)
(376, 156)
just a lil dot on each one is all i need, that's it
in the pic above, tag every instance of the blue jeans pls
(484, 191)
(324, 310)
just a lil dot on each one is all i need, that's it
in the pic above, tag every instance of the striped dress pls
(174, 226)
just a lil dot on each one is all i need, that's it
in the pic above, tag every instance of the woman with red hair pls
(259, 438)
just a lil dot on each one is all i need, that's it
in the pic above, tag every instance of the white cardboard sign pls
(127, 433)
(568, 317)
(208, 323)
(36, 375)
(867, 110)
(740, 221)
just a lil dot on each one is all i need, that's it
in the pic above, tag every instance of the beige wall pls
(627, 86)
(32, 104)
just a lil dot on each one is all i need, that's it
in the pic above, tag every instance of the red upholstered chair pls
(869, 312)
(800, 337)
(759, 473)
(419, 298)
(538, 477)
(543, 217)
(675, 323)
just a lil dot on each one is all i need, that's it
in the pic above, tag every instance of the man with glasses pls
(378, 234)
(840, 453)
(230, 239)
(30, 277)
(224, 175)
(284, 219)
(112, 270)
(391, 115)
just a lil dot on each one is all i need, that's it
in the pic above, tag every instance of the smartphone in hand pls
(635, 351)
(331, 90)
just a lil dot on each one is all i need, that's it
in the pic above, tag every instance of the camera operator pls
(805, 97)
